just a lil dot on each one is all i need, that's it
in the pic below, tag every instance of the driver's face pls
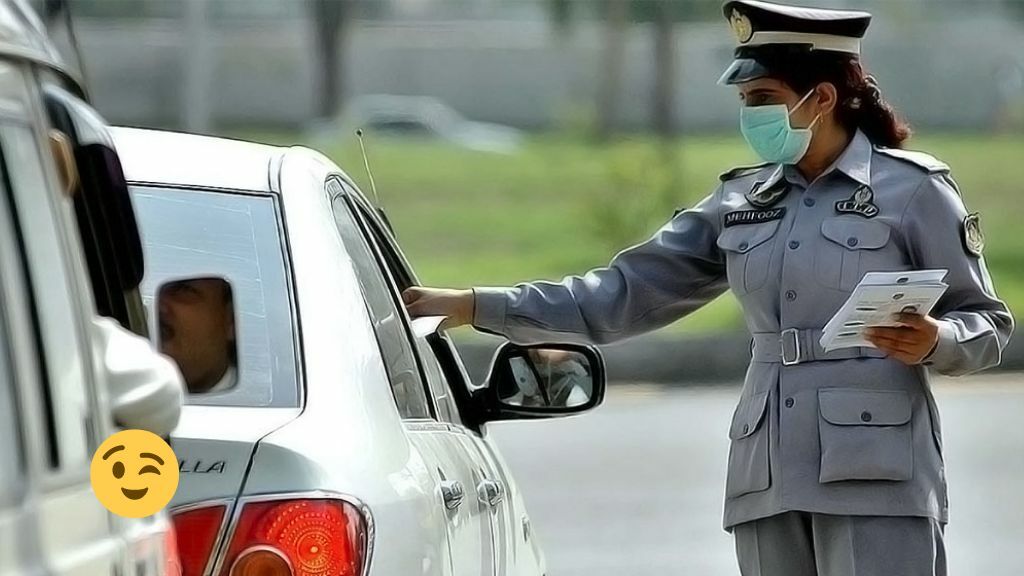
(197, 329)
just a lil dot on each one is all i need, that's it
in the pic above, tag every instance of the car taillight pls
(299, 537)
(196, 532)
(172, 562)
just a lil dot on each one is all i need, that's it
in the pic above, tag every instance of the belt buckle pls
(788, 360)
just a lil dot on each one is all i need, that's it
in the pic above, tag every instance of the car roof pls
(22, 35)
(158, 156)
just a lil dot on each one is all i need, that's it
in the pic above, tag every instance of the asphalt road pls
(636, 487)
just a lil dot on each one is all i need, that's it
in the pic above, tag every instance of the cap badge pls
(741, 27)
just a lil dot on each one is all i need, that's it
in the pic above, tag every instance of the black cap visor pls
(743, 70)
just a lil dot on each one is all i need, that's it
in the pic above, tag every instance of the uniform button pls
(851, 241)
(794, 244)
(865, 416)
(743, 245)
(746, 428)
(789, 402)
(808, 201)
(790, 295)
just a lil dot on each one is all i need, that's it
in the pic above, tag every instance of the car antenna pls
(366, 163)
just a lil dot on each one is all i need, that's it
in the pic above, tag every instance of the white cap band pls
(818, 41)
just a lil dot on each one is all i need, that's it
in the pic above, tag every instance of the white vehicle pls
(69, 254)
(343, 439)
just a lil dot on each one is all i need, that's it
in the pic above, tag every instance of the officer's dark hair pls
(860, 101)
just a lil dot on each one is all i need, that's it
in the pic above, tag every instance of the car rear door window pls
(190, 233)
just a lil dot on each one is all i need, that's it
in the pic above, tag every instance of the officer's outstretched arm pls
(644, 287)
(975, 324)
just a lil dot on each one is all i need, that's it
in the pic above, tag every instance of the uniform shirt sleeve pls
(146, 388)
(974, 324)
(643, 288)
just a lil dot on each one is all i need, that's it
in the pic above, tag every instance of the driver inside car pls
(197, 330)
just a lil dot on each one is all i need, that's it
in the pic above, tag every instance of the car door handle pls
(452, 493)
(490, 492)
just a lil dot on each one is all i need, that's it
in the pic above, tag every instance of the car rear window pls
(238, 237)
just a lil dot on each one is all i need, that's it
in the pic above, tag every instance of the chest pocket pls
(850, 248)
(748, 252)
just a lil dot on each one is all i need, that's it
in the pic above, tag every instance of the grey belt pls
(795, 346)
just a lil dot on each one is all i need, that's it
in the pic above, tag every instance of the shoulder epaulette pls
(742, 171)
(922, 160)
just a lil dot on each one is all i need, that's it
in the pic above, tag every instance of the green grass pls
(562, 206)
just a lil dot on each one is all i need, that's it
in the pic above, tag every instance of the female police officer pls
(835, 465)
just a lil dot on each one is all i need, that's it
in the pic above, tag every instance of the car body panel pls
(57, 526)
(348, 438)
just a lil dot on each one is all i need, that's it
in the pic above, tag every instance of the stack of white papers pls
(876, 298)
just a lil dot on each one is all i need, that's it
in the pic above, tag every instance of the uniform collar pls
(855, 162)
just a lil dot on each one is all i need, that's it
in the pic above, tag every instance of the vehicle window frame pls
(11, 489)
(63, 463)
(288, 280)
(393, 262)
(341, 197)
(115, 293)
(447, 407)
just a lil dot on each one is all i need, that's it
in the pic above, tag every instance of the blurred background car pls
(419, 117)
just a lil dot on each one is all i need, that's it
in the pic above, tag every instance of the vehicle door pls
(48, 306)
(452, 465)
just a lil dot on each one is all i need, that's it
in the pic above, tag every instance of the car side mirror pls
(543, 381)
(197, 329)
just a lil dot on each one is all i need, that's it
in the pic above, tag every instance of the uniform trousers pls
(812, 544)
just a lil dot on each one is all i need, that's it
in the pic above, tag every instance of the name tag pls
(753, 216)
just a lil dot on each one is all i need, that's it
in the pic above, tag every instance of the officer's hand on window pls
(455, 305)
(910, 343)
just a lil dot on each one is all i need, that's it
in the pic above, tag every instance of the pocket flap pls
(745, 237)
(856, 407)
(856, 234)
(748, 416)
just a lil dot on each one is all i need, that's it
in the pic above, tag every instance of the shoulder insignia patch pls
(741, 171)
(974, 240)
(922, 160)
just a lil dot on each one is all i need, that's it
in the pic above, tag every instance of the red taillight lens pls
(313, 537)
(172, 563)
(196, 532)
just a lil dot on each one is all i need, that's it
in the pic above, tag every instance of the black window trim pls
(346, 197)
(53, 459)
(286, 255)
(367, 216)
(15, 373)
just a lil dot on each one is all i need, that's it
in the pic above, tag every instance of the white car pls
(326, 433)
(69, 377)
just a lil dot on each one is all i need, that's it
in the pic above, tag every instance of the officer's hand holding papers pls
(875, 301)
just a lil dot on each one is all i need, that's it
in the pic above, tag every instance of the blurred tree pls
(616, 14)
(662, 15)
(330, 20)
(560, 12)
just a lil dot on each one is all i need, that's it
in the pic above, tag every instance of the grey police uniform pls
(846, 432)
(835, 464)
(841, 432)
